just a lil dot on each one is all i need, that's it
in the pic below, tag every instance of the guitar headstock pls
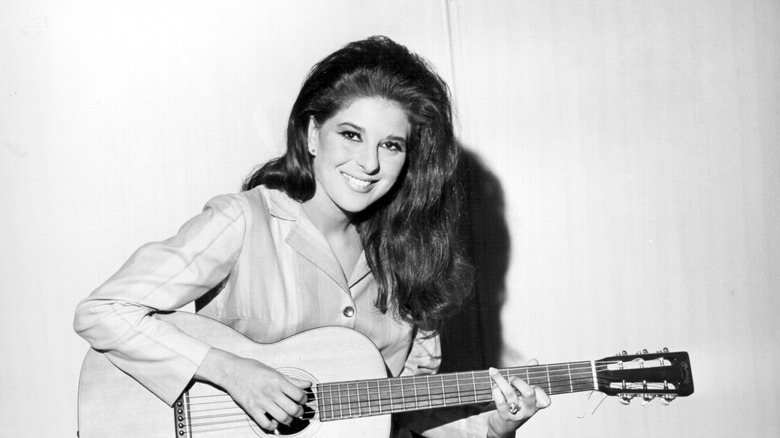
(663, 374)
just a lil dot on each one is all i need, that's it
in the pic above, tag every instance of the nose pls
(368, 159)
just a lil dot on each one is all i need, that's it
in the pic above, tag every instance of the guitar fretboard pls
(362, 398)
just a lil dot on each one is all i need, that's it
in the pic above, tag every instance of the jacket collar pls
(306, 239)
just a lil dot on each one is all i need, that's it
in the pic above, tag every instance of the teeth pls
(357, 182)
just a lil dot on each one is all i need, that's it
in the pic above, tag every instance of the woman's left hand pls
(513, 409)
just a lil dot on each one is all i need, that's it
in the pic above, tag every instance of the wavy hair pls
(410, 236)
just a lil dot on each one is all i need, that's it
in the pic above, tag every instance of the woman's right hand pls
(256, 387)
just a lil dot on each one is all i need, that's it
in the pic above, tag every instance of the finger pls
(506, 389)
(524, 388)
(532, 362)
(542, 399)
(290, 407)
(302, 384)
(263, 419)
(279, 414)
(528, 396)
(295, 391)
(499, 400)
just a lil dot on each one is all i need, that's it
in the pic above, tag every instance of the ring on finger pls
(513, 408)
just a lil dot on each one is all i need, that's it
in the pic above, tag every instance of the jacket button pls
(349, 311)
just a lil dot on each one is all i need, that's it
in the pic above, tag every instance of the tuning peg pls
(665, 350)
(668, 398)
(647, 398)
(624, 353)
(626, 398)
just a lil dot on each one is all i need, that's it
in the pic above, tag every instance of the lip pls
(357, 184)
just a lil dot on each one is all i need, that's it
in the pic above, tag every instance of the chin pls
(354, 206)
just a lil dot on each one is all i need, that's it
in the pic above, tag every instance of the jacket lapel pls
(318, 252)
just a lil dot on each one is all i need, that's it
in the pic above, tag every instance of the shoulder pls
(257, 203)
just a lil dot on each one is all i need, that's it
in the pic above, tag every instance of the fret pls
(457, 387)
(465, 395)
(403, 397)
(384, 392)
(349, 401)
(486, 386)
(474, 387)
(384, 389)
(414, 391)
(450, 398)
(322, 401)
(361, 399)
(558, 380)
(330, 394)
(436, 392)
(428, 387)
(571, 384)
(374, 399)
(339, 404)
(443, 393)
(391, 391)
(549, 383)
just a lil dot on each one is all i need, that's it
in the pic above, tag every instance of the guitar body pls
(113, 404)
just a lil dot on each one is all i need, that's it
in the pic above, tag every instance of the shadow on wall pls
(471, 339)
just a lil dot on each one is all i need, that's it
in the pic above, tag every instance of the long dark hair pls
(410, 236)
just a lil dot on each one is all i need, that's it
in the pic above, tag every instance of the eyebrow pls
(362, 131)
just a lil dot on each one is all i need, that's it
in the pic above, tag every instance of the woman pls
(352, 226)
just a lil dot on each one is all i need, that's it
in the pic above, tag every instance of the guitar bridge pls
(181, 415)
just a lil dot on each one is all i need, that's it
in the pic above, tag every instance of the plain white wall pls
(636, 144)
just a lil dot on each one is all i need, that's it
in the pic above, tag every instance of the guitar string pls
(396, 382)
(326, 391)
(362, 391)
(207, 422)
(529, 373)
(383, 404)
(396, 385)
(480, 377)
(242, 422)
(244, 419)
(366, 395)
(432, 398)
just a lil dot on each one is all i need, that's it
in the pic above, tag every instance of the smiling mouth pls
(358, 183)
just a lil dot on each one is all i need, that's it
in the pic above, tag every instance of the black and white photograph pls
(391, 219)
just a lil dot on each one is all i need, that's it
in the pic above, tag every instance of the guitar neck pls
(362, 398)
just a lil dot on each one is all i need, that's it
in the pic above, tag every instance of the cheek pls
(395, 166)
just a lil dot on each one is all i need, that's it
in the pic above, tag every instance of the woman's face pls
(358, 154)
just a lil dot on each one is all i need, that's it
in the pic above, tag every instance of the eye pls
(394, 146)
(350, 135)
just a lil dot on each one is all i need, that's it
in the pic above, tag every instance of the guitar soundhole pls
(295, 427)
(298, 424)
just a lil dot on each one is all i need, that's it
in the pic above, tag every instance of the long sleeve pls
(116, 317)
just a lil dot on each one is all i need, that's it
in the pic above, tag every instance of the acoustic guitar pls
(113, 404)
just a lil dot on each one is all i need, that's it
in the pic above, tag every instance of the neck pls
(400, 394)
(329, 223)
(326, 216)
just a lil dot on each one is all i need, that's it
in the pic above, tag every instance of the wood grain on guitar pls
(112, 404)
